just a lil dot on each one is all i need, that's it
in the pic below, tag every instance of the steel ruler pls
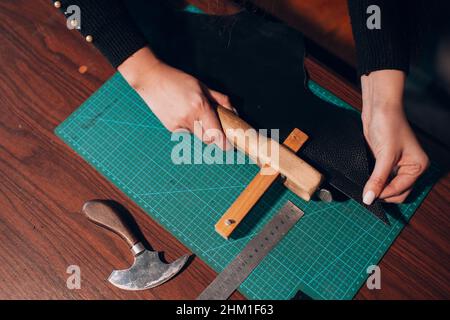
(254, 252)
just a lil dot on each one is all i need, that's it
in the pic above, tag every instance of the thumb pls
(213, 130)
(375, 185)
(221, 99)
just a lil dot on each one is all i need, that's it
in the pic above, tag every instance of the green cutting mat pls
(325, 255)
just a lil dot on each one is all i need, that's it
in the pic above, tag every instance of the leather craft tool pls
(254, 252)
(147, 271)
(299, 177)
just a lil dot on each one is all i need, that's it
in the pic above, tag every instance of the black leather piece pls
(259, 64)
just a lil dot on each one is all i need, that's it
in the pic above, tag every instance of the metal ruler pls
(254, 252)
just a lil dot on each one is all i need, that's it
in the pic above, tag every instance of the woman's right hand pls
(176, 98)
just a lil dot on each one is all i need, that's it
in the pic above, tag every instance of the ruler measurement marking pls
(253, 253)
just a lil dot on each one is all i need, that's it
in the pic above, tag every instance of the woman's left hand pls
(400, 159)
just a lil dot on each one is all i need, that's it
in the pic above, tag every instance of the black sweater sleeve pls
(385, 48)
(107, 24)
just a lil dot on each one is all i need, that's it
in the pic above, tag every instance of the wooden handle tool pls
(102, 214)
(147, 270)
(303, 178)
(255, 190)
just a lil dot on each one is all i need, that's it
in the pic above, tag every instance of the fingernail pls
(235, 111)
(369, 197)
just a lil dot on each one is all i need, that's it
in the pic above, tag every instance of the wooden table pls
(43, 184)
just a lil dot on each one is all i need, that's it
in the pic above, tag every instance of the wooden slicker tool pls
(301, 178)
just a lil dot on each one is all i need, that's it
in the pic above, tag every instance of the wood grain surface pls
(46, 72)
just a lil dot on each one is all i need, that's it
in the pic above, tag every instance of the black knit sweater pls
(115, 35)
(384, 48)
(111, 28)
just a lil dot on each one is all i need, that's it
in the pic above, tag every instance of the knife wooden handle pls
(303, 178)
(104, 215)
(254, 191)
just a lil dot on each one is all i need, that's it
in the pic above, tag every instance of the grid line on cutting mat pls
(325, 255)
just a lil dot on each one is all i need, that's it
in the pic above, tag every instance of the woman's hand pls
(176, 98)
(400, 159)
